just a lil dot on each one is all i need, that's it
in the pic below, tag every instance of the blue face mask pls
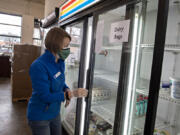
(64, 53)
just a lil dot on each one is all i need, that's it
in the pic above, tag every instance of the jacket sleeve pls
(65, 87)
(41, 84)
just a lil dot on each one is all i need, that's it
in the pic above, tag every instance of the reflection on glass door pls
(168, 118)
(106, 74)
(68, 114)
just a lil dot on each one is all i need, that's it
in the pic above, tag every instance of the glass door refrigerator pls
(123, 71)
(117, 55)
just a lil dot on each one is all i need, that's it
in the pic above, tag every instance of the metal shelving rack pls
(175, 48)
(162, 95)
(118, 48)
(108, 76)
(168, 47)
(108, 113)
(107, 107)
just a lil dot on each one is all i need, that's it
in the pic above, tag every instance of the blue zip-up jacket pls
(48, 83)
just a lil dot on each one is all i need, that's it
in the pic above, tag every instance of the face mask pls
(64, 53)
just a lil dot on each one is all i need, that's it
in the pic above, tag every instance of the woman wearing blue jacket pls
(49, 87)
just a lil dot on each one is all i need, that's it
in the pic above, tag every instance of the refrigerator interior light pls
(83, 106)
(135, 69)
(132, 79)
(88, 46)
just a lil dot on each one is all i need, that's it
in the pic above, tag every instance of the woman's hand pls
(68, 96)
(80, 92)
(67, 103)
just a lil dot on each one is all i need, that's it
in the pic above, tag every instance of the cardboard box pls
(23, 57)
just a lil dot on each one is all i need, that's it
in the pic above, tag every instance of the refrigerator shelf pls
(112, 47)
(160, 124)
(137, 131)
(162, 95)
(105, 111)
(167, 96)
(168, 47)
(107, 75)
(164, 126)
(67, 127)
(142, 91)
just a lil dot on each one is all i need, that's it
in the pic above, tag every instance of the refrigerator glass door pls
(138, 70)
(106, 72)
(167, 117)
(141, 57)
(68, 114)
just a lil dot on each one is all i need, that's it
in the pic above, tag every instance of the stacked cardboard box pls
(23, 57)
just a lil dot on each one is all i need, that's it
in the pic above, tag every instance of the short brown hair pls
(54, 39)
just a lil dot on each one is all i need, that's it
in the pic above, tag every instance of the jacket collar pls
(50, 57)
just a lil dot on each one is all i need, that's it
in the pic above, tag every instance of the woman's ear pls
(66, 42)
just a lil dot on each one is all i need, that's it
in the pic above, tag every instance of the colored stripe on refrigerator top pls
(68, 4)
(74, 6)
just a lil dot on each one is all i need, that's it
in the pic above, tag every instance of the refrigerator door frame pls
(81, 101)
(160, 37)
(78, 120)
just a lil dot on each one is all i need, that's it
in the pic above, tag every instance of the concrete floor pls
(12, 115)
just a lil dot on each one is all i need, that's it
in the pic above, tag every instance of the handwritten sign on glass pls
(119, 31)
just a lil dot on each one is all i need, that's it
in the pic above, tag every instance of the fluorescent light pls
(87, 60)
(127, 124)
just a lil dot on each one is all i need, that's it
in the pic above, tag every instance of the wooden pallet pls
(20, 99)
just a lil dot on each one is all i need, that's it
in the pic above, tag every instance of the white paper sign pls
(99, 36)
(119, 32)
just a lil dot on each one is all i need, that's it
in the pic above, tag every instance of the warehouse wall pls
(51, 4)
(28, 9)
(27, 29)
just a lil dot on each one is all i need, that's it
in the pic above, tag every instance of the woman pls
(49, 87)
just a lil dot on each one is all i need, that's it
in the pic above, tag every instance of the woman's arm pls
(41, 84)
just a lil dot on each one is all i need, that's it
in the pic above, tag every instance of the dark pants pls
(46, 127)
